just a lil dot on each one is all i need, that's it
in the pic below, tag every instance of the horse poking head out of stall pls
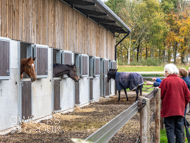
(69, 70)
(27, 66)
(133, 81)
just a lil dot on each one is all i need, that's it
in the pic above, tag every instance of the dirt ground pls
(79, 124)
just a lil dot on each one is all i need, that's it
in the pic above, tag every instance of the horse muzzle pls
(76, 79)
(33, 79)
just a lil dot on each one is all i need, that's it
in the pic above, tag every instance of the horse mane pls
(22, 64)
(57, 64)
(69, 65)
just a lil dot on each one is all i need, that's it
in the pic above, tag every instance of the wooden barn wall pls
(53, 23)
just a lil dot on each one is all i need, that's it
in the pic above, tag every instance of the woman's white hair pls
(171, 69)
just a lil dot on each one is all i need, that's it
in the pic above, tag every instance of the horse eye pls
(29, 66)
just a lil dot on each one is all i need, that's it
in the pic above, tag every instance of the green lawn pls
(140, 68)
(144, 88)
(144, 68)
(163, 137)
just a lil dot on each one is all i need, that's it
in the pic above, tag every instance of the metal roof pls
(100, 13)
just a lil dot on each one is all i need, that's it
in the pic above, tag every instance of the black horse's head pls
(72, 73)
(111, 74)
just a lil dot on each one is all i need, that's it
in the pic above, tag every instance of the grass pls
(145, 88)
(163, 137)
(140, 68)
(144, 68)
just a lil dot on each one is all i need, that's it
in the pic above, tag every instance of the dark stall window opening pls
(25, 52)
(56, 56)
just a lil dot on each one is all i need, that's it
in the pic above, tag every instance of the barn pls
(80, 32)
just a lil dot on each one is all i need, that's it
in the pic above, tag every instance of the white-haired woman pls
(175, 96)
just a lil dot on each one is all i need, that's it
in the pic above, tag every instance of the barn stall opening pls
(34, 28)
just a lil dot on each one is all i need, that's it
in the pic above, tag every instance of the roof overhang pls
(100, 13)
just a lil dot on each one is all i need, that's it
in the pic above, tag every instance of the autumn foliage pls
(160, 30)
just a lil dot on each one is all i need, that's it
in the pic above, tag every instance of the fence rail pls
(105, 133)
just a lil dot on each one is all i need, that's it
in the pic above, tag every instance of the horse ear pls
(28, 59)
(34, 59)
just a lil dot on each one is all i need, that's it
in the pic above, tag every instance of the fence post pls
(157, 105)
(145, 122)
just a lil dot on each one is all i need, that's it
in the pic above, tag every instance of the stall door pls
(57, 95)
(26, 100)
(77, 63)
(77, 93)
(91, 88)
(106, 84)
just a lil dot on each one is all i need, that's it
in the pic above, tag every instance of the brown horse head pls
(72, 73)
(28, 67)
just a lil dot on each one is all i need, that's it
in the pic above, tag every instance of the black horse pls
(133, 81)
(70, 70)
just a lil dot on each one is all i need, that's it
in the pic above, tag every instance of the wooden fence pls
(105, 133)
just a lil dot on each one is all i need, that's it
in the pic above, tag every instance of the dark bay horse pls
(133, 81)
(27, 66)
(70, 70)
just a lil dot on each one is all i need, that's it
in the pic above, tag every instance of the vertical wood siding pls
(53, 23)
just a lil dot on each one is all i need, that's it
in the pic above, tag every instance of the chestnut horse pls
(69, 70)
(27, 66)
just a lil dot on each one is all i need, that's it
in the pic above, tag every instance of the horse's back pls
(126, 80)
